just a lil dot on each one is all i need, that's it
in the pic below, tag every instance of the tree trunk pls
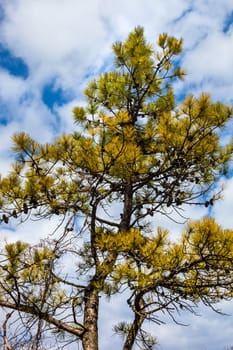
(131, 336)
(139, 318)
(90, 337)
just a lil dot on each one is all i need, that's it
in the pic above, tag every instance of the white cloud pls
(222, 210)
(212, 59)
(11, 88)
(208, 51)
(54, 28)
(122, 15)
(55, 38)
(28, 231)
(207, 331)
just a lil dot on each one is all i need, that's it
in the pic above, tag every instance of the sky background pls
(50, 49)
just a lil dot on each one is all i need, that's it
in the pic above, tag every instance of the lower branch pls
(79, 332)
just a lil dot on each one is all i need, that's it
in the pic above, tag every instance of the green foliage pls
(136, 148)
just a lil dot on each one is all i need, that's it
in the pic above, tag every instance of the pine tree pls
(136, 153)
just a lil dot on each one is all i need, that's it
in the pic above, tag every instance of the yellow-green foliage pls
(28, 275)
(199, 264)
(131, 131)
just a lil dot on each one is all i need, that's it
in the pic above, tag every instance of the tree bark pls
(90, 337)
(136, 325)
(131, 337)
(91, 296)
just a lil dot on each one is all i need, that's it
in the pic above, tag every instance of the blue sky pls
(49, 49)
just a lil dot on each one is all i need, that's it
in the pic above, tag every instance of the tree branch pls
(79, 331)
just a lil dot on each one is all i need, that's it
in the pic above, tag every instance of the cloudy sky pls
(49, 49)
